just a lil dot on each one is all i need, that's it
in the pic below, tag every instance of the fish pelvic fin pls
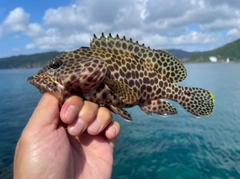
(197, 101)
(120, 112)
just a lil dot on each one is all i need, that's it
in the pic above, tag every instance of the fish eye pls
(56, 64)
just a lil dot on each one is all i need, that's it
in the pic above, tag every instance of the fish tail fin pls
(197, 101)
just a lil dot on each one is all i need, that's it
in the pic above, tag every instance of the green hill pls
(27, 61)
(230, 50)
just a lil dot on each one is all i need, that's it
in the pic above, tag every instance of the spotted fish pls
(119, 73)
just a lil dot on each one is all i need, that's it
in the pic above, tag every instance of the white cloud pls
(34, 30)
(221, 24)
(65, 17)
(30, 46)
(17, 20)
(15, 49)
(159, 24)
(185, 40)
(235, 33)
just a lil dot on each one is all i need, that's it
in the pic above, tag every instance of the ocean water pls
(178, 147)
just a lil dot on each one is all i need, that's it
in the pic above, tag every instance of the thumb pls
(46, 113)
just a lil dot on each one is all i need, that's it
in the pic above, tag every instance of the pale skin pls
(78, 144)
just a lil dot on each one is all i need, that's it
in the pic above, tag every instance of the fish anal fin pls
(124, 92)
(160, 107)
(120, 112)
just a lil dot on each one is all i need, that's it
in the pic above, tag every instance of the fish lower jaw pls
(59, 92)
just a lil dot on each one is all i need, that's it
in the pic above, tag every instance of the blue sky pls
(28, 27)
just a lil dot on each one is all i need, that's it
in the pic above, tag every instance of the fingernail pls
(77, 128)
(71, 113)
(95, 126)
(112, 130)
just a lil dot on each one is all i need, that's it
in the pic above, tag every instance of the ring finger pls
(103, 118)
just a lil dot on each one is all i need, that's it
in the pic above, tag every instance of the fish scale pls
(162, 61)
(119, 73)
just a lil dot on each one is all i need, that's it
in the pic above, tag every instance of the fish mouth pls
(47, 82)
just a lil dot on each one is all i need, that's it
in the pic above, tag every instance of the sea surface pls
(176, 147)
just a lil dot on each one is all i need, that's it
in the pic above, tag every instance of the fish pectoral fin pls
(160, 107)
(124, 92)
(120, 112)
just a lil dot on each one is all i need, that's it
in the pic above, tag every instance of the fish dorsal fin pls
(124, 92)
(162, 61)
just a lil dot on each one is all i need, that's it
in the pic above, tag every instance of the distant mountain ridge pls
(180, 54)
(27, 61)
(230, 51)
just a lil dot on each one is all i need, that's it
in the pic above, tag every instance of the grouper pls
(118, 73)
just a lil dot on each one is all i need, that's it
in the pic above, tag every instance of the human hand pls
(47, 150)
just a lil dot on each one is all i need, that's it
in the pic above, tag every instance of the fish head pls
(71, 73)
(46, 82)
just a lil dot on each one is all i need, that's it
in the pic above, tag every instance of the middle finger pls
(103, 118)
(86, 115)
